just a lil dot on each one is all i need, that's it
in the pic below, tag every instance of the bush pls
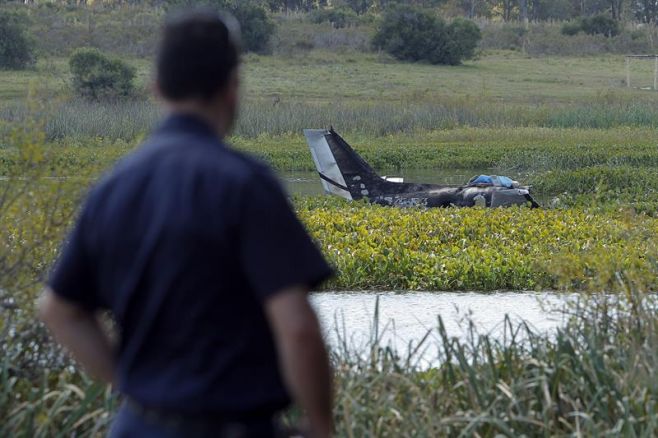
(413, 34)
(339, 17)
(463, 36)
(256, 26)
(16, 48)
(571, 28)
(600, 25)
(96, 76)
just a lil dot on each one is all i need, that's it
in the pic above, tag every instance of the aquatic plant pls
(477, 249)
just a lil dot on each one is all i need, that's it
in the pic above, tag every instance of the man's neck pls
(211, 119)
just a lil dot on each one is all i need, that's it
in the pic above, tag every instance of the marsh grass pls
(594, 376)
(127, 120)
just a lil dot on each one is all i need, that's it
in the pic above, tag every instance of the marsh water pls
(405, 318)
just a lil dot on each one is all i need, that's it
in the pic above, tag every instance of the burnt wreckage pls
(344, 173)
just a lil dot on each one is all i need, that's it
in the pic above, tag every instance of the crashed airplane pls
(344, 173)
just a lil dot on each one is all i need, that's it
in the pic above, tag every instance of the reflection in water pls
(308, 183)
(407, 317)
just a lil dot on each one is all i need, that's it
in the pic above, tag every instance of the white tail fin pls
(325, 162)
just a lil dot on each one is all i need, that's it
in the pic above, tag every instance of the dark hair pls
(198, 52)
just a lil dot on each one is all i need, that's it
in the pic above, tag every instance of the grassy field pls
(507, 76)
(328, 76)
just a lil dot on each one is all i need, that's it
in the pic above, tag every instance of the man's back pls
(173, 226)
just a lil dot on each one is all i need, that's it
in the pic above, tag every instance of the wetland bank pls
(586, 144)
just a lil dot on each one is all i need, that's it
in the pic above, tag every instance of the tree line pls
(645, 11)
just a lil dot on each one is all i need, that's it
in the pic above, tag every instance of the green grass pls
(325, 76)
(499, 76)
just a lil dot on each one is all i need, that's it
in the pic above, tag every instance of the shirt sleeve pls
(276, 252)
(72, 277)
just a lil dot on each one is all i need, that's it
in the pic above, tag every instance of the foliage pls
(412, 34)
(16, 47)
(464, 36)
(338, 17)
(476, 249)
(96, 76)
(571, 28)
(257, 28)
(600, 25)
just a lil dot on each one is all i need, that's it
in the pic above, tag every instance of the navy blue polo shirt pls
(183, 242)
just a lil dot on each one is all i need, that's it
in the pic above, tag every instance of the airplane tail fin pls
(342, 171)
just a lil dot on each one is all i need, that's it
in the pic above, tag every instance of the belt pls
(216, 425)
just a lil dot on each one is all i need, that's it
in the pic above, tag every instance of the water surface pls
(406, 318)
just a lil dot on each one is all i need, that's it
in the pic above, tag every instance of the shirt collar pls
(188, 123)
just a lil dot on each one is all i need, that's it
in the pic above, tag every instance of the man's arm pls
(81, 333)
(303, 356)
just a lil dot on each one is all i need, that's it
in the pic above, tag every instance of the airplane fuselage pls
(344, 173)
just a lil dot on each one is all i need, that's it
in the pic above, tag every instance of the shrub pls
(600, 25)
(256, 26)
(96, 76)
(413, 34)
(463, 37)
(571, 28)
(339, 17)
(16, 48)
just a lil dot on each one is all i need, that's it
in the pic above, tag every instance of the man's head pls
(197, 66)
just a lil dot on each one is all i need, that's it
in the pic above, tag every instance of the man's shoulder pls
(209, 159)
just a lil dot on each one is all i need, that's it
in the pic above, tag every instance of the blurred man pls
(195, 251)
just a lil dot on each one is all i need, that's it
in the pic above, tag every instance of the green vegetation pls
(16, 47)
(596, 25)
(413, 34)
(338, 17)
(554, 91)
(481, 249)
(592, 168)
(257, 28)
(95, 76)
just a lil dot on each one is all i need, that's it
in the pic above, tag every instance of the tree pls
(646, 10)
(16, 47)
(414, 34)
(256, 26)
(601, 25)
(617, 9)
(463, 39)
(96, 76)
